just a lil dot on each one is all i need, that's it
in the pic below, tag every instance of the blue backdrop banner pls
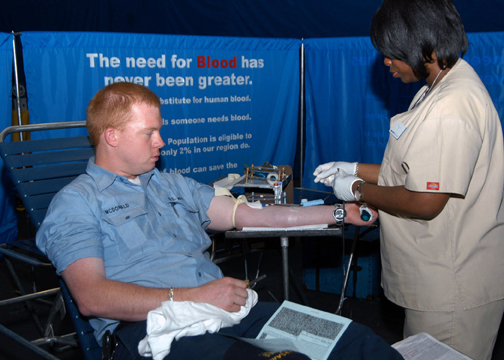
(350, 97)
(225, 101)
(486, 56)
(8, 216)
(6, 41)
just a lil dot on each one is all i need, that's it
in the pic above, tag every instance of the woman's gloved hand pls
(325, 173)
(342, 185)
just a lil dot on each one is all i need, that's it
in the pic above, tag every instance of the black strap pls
(108, 346)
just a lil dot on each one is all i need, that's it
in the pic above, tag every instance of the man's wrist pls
(339, 214)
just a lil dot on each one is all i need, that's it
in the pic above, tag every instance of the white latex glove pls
(325, 173)
(342, 185)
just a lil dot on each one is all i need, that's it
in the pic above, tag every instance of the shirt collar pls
(105, 178)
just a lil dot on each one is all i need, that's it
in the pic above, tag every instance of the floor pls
(374, 311)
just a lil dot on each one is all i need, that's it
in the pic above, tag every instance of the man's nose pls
(159, 141)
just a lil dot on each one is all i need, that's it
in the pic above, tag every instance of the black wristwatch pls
(339, 214)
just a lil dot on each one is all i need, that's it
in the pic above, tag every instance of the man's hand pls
(325, 173)
(227, 293)
(342, 185)
(353, 214)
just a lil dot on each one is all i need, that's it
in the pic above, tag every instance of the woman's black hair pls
(411, 30)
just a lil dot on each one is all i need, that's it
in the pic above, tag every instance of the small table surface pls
(329, 231)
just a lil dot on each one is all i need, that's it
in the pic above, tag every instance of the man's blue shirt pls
(152, 234)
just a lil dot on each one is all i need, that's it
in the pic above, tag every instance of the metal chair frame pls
(39, 169)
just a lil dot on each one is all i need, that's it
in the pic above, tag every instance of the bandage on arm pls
(282, 216)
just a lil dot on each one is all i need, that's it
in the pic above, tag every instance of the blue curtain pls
(350, 97)
(8, 216)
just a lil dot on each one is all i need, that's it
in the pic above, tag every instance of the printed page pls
(312, 332)
(424, 347)
(228, 182)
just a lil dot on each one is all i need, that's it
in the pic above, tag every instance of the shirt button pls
(199, 274)
(127, 217)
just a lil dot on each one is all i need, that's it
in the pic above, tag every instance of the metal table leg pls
(284, 243)
(349, 268)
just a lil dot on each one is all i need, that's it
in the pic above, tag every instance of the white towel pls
(175, 319)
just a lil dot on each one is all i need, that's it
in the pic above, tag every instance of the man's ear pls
(110, 136)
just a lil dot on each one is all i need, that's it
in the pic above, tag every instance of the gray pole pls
(301, 117)
(16, 75)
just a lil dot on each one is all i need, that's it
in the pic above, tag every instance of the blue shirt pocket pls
(127, 227)
(183, 221)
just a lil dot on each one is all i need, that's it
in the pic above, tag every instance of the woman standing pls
(440, 186)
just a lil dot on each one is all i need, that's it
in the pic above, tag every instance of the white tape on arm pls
(242, 199)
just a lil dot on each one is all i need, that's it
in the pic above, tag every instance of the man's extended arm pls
(221, 212)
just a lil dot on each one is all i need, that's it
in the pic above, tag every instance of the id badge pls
(397, 129)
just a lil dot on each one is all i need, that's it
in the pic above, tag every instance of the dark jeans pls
(357, 343)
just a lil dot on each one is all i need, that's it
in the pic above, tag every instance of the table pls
(298, 195)
(284, 236)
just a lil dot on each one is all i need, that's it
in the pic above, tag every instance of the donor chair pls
(39, 169)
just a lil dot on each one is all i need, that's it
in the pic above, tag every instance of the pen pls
(252, 283)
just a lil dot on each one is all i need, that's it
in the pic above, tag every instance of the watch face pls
(339, 214)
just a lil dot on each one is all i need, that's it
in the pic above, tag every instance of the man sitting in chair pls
(126, 237)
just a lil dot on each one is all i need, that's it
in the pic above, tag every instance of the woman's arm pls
(400, 201)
